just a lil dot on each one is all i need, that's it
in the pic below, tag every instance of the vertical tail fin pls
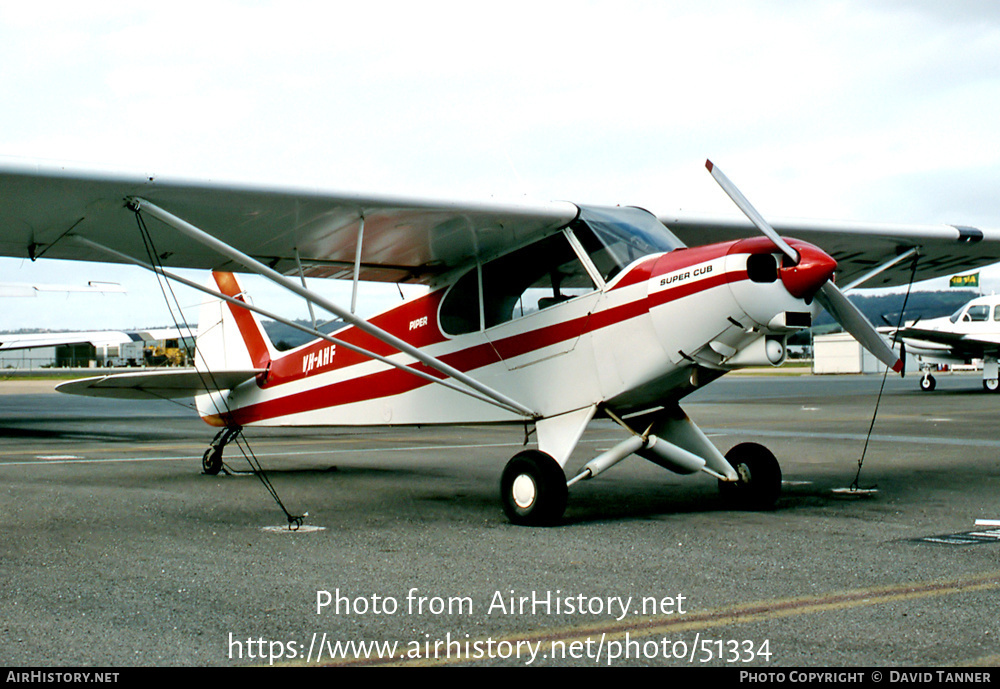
(230, 337)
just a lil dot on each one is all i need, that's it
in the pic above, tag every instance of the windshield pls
(615, 237)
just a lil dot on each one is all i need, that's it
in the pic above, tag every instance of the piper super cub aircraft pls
(549, 314)
(972, 332)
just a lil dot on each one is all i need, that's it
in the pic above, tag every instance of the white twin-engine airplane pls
(972, 332)
(547, 315)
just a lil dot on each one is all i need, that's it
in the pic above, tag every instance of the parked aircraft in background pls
(25, 289)
(544, 316)
(972, 332)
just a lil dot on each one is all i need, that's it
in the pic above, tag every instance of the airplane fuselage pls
(661, 327)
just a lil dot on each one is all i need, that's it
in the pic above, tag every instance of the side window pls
(532, 279)
(460, 308)
(977, 313)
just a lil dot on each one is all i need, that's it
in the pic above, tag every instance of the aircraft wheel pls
(533, 489)
(759, 484)
(927, 383)
(211, 461)
(991, 384)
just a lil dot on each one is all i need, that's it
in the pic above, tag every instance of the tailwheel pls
(211, 461)
(759, 484)
(927, 383)
(991, 384)
(533, 489)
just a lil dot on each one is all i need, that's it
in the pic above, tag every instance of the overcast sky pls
(878, 110)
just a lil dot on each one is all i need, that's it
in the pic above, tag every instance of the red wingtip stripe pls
(898, 366)
(708, 164)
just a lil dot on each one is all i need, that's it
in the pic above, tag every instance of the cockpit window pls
(615, 237)
(460, 309)
(531, 279)
(977, 313)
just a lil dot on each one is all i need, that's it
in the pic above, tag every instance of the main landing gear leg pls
(991, 373)
(211, 461)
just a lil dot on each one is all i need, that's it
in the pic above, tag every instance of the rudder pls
(230, 337)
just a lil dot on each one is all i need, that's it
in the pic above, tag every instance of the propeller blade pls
(902, 357)
(756, 218)
(829, 295)
(854, 322)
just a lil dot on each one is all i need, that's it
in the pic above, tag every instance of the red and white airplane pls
(548, 315)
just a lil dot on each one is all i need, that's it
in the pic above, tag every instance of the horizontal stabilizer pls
(157, 384)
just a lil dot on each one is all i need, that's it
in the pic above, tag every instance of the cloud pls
(878, 111)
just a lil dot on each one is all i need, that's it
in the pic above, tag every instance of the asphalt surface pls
(116, 551)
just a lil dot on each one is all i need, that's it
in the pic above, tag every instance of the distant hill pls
(886, 307)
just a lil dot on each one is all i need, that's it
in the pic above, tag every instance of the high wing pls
(859, 247)
(405, 240)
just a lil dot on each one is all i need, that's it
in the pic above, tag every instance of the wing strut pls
(139, 205)
(882, 268)
(357, 264)
(302, 277)
(292, 324)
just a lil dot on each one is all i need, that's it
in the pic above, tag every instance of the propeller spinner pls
(828, 294)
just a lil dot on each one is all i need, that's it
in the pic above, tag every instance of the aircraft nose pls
(812, 271)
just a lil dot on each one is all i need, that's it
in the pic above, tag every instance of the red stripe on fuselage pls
(394, 381)
(414, 322)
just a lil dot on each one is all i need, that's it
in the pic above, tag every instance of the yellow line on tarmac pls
(744, 613)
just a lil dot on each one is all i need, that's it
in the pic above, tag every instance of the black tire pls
(759, 486)
(533, 489)
(927, 383)
(211, 461)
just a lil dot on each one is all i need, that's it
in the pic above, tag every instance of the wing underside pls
(859, 247)
(403, 240)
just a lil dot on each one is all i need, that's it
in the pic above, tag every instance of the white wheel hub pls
(524, 491)
(744, 471)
